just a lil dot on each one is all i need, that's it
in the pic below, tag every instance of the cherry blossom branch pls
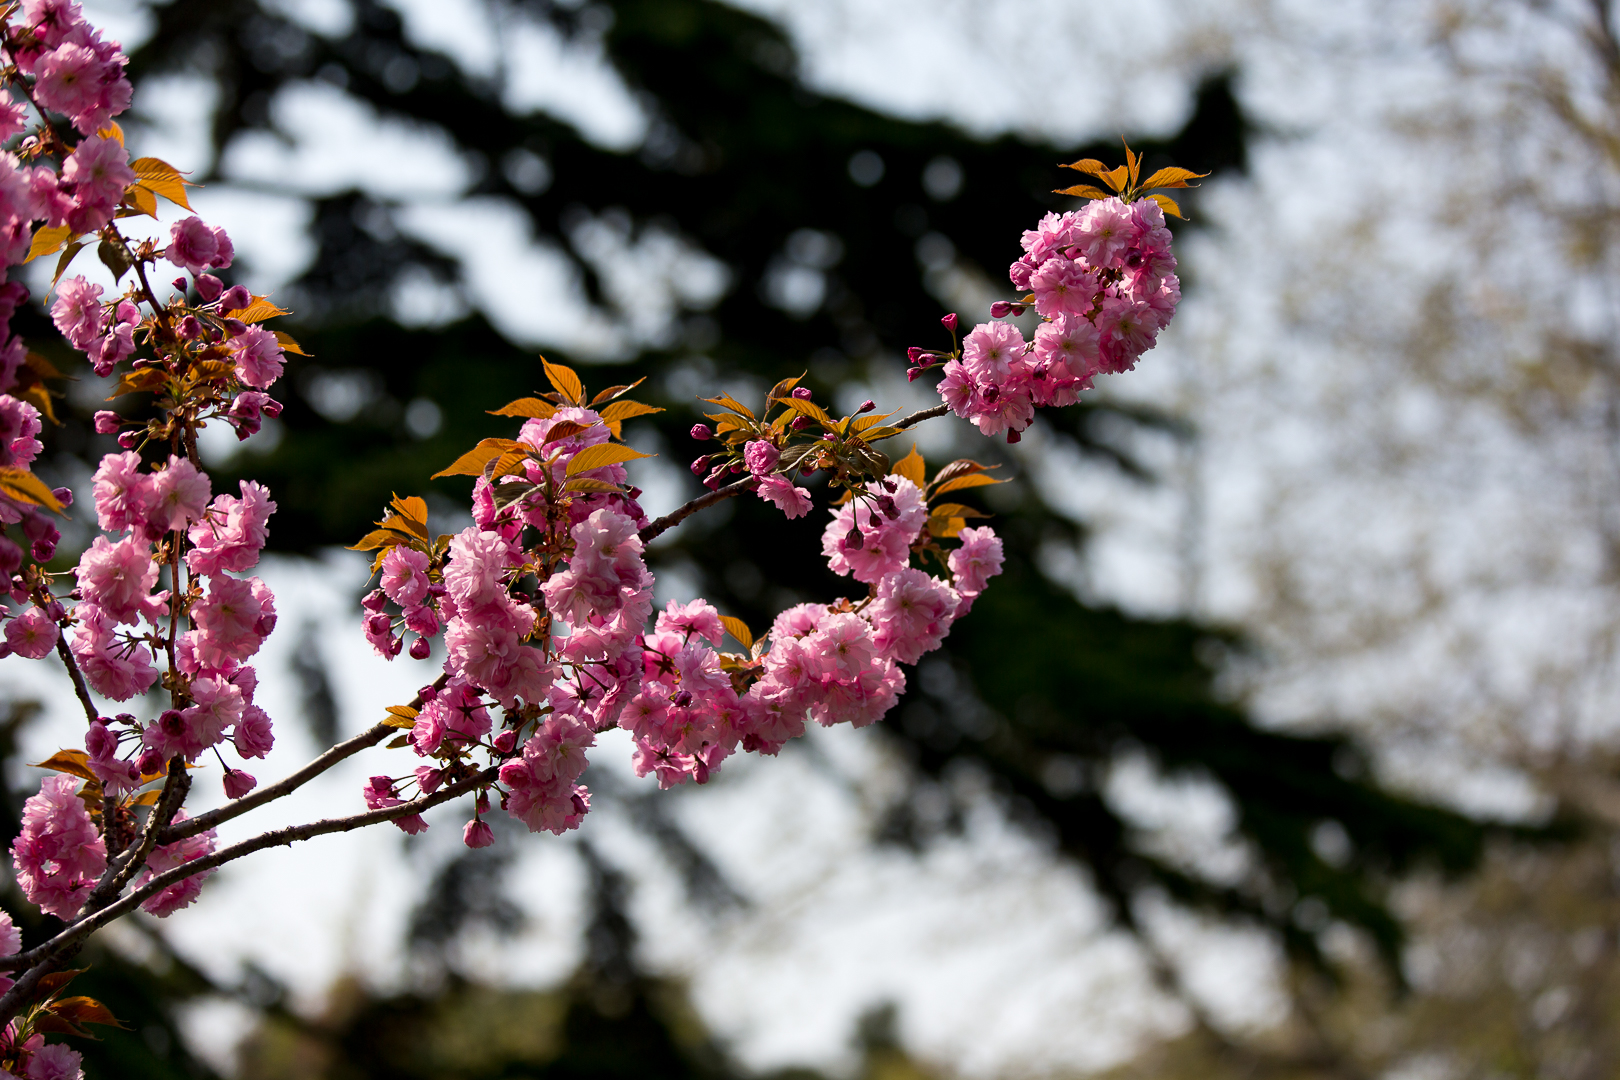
(47, 956)
(119, 874)
(748, 483)
(253, 800)
(79, 688)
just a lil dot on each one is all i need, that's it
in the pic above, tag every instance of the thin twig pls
(253, 800)
(77, 676)
(747, 483)
(71, 935)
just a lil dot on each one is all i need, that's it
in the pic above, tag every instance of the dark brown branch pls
(77, 676)
(253, 800)
(43, 957)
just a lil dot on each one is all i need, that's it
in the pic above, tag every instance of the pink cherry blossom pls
(761, 457)
(126, 498)
(258, 356)
(990, 350)
(404, 575)
(55, 1061)
(118, 579)
(232, 620)
(166, 857)
(99, 171)
(77, 312)
(195, 246)
(976, 561)
(698, 618)
(32, 634)
(911, 614)
(233, 533)
(794, 502)
(58, 854)
(180, 495)
(114, 667)
(19, 426)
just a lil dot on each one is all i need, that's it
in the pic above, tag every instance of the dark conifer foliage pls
(765, 174)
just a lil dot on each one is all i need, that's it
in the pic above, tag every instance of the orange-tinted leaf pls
(963, 482)
(954, 510)
(861, 423)
(1089, 166)
(595, 457)
(473, 461)
(1173, 178)
(624, 410)
(1167, 204)
(589, 485)
(946, 527)
(69, 253)
(85, 1010)
(877, 434)
(564, 429)
(161, 178)
(258, 311)
(147, 798)
(56, 980)
(24, 486)
(1118, 178)
(400, 716)
(72, 762)
(288, 344)
(1084, 191)
(377, 538)
(614, 393)
(414, 510)
(47, 241)
(1132, 162)
(141, 199)
(738, 629)
(530, 407)
(40, 398)
(41, 366)
(912, 467)
(782, 389)
(726, 401)
(112, 131)
(508, 464)
(149, 378)
(808, 408)
(565, 381)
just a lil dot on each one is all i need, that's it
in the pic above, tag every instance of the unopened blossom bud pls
(99, 742)
(427, 693)
(179, 283)
(828, 436)
(887, 505)
(915, 354)
(867, 406)
(912, 373)
(683, 699)
(712, 481)
(428, 778)
(107, 422)
(505, 741)
(420, 649)
(634, 493)
(853, 540)
(235, 298)
(761, 456)
(150, 762)
(701, 432)
(1014, 436)
(127, 719)
(800, 423)
(992, 393)
(1039, 372)
(55, 612)
(482, 805)
(477, 834)
(235, 327)
(888, 484)
(375, 600)
(239, 783)
(395, 645)
(699, 464)
(949, 322)
(129, 440)
(63, 495)
(189, 329)
(437, 590)
(209, 287)
(379, 624)
(802, 393)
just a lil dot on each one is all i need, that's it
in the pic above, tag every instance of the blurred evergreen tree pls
(827, 217)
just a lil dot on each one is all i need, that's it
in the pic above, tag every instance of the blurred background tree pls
(760, 228)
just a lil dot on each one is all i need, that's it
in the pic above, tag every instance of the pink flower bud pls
(179, 283)
(800, 423)
(129, 440)
(853, 540)
(239, 783)
(428, 778)
(107, 422)
(149, 762)
(912, 373)
(375, 600)
(949, 322)
(1013, 435)
(802, 393)
(477, 834)
(701, 432)
(427, 693)
(100, 743)
(699, 464)
(63, 495)
(867, 406)
(235, 298)
(189, 329)
(209, 287)
(505, 741)
(914, 354)
(420, 649)
(683, 699)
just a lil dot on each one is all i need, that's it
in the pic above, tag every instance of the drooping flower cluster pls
(1103, 280)
(544, 604)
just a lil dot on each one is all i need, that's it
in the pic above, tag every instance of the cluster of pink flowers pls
(1103, 280)
(593, 664)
